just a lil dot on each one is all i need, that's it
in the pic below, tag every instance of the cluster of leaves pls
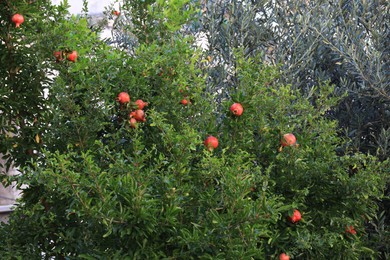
(100, 189)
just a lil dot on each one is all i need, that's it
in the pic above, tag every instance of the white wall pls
(9, 194)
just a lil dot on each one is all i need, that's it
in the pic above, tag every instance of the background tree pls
(344, 42)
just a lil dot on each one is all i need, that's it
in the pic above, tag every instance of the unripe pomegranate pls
(141, 104)
(211, 143)
(123, 98)
(295, 217)
(133, 123)
(237, 109)
(72, 56)
(283, 256)
(288, 140)
(350, 230)
(17, 19)
(139, 115)
(184, 102)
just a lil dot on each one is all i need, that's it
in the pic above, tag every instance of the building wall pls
(8, 195)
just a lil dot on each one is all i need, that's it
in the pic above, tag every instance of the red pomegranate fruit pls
(350, 230)
(283, 256)
(211, 143)
(17, 19)
(123, 98)
(288, 140)
(139, 115)
(72, 56)
(140, 103)
(237, 109)
(295, 217)
(133, 123)
(58, 55)
(184, 102)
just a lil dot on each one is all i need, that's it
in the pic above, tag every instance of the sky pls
(94, 6)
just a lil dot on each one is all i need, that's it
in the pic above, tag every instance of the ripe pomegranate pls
(237, 109)
(288, 140)
(295, 217)
(139, 115)
(58, 55)
(141, 104)
(133, 123)
(211, 143)
(283, 256)
(72, 56)
(350, 230)
(117, 13)
(17, 19)
(184, 102)
(123, 98)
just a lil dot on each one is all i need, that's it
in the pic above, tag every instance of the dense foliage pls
(96, 186)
